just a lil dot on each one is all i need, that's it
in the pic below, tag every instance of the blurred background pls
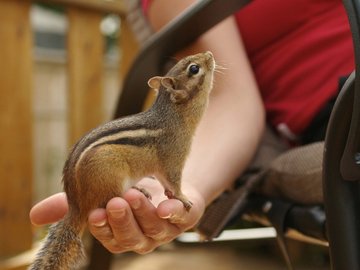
(61, 68)
(50, 97)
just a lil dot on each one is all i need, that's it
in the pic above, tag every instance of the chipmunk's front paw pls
(143, 191)
(187, 204)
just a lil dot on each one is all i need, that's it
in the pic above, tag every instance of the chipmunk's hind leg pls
(172, 185)
(98, 195)
(99, 179)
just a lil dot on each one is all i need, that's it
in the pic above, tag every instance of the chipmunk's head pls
(190, 76)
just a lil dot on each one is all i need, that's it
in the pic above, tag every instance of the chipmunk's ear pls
(168, 82)
(176, 95)
(155, 82)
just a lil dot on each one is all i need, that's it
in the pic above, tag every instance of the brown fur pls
(152, 143)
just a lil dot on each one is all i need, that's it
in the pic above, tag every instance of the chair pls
(341, 157)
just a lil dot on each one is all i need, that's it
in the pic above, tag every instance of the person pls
(283, 61)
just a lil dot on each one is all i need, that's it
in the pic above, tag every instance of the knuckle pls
(144, 249)
(168, 239)
(128, 244)
(123, 230)
(102, 234)
(115, 248)
(119, 247)
(155, 234)
(162, 237)
(120, 224)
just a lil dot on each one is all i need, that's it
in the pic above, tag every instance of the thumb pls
(49, 210)
(175, 212)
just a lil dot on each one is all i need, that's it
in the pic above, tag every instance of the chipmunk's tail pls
(62, 249)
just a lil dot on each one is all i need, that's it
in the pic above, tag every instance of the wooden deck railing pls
(85, 76)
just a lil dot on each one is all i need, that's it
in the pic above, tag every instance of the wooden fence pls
(85, 49)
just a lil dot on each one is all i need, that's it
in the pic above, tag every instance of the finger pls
(99, 226)
(149, 221)
(174, 211)
(127, 235)
(97, 218)
(50, 210)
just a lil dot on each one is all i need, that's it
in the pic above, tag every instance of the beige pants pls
(293, 174)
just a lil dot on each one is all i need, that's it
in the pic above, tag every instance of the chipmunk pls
(111, 158)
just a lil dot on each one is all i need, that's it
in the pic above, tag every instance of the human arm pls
(223, 146)
(228, 135)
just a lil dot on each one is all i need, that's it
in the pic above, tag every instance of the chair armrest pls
(350, 161)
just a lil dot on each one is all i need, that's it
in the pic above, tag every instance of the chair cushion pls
(296, 175)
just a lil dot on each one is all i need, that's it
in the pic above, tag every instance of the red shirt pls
(298, 50)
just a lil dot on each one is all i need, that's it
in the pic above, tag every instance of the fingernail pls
(135, 204)
(168, 216)
(117, 213)
(100, 223)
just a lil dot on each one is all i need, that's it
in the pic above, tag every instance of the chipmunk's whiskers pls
(219, 69)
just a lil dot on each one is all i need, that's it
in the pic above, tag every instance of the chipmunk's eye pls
(194, 69)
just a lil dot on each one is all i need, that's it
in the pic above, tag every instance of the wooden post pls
(15, 126)
(85, 55)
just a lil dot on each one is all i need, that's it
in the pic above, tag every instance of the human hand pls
(134, 223)
(131, 223)
(49, 210)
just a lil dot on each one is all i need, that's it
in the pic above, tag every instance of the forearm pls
(224, 144)
(228, 135)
